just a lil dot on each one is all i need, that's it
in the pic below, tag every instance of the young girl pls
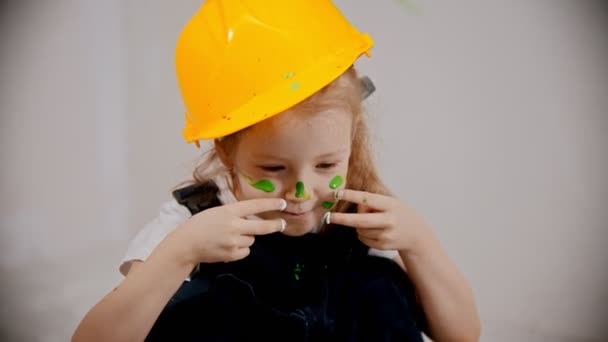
(286, 232)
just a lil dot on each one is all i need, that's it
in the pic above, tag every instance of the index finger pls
(262, 227)
(258, 205)
(371, 200)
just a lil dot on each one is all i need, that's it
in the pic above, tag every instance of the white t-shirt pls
(172, 214)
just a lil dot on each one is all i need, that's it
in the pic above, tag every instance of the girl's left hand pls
(383, 222)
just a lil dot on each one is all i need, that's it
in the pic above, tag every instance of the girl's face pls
(294, 157)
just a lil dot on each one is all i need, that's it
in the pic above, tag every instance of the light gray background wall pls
(491, 118)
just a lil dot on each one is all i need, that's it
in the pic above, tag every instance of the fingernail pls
(338, 194)
(283, 205)
(283, 224)
(327, 217)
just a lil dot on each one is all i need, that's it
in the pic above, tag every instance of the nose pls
(299, 192)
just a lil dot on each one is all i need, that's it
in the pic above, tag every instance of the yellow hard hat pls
(239, 62)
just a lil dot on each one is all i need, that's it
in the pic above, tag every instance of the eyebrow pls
(325, 155)
(344, 150)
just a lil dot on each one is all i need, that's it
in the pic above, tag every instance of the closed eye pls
(326, 166)
(272, 168)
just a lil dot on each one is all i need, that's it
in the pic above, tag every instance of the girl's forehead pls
(321, 120)
(304, 134)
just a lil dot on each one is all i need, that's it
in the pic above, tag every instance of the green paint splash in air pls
(409, 5)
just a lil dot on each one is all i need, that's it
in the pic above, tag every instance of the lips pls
(294, 215)
(297, 213)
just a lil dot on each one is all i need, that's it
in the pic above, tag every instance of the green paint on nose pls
(299, 190)
(336, 182)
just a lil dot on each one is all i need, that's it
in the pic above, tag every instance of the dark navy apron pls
(317, 287)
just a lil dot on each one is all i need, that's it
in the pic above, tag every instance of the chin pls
(299, 229)
(298, 225)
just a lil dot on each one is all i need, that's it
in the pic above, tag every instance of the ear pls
(223, 154)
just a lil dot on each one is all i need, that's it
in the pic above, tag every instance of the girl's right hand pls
(223, 234)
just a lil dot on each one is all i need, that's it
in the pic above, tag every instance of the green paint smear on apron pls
(264, 185)
(294, 86)
(296, 272)
(336, 182)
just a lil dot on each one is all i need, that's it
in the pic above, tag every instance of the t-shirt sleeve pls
(171, 215)
(390, 254)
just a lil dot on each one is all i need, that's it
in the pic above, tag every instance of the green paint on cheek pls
(299, 189)
(328, 205)
(264, 185)
(336, 182)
